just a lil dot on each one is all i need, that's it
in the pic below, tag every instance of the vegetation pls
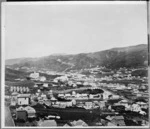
(11, 75)
(141, 73)
(130, 57)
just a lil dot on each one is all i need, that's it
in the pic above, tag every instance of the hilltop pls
(131, 56)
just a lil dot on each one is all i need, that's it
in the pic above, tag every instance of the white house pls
(45, 85)
(14, 98)
(115, 96)
(88, 105)
(34, 75)
(42, 78)
(106, 94)
(136, 108)
(23, 99)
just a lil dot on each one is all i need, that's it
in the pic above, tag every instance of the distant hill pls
(132, 56)
(18, 60)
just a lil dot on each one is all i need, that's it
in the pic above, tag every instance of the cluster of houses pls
(21, 98)
(120, 74)
(41, 98)
(74, 80)
(135, 107)
(138, 90)
(80, 96)
(19, 89)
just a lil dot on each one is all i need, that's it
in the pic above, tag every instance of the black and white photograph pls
(70, 64)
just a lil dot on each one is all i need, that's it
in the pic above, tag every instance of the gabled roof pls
(110, 124)
(66, 125)
(119, 117)
(48, 123)
(109, 118)
(79, 123)
(24, 95)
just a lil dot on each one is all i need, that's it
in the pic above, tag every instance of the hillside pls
(132, 56)
(11, 74)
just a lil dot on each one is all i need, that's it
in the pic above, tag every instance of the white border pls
(3, 50)
(2, 64)
(75, 2)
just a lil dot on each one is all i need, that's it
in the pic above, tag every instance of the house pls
(62, 105)
(21, 89)
(78, 95)
(118, 120)
(66, 125)
(24, 89)
(22, 115)
(42, 78)
(73, 93)
(69, 104)
(43, 96)
(67, 95)
(88, 105)
(128, 107)
(30, 111)
(27, 89)
(47, 123)
(14, 98)
(110, 124)
(104, 122)
(45, 85)
(124, 102)
(106, 94)
(79, 123)
(136, 108)
(48, 103)
(34, 75)
(61, 95)
(102, 104)
(18, 89)
(50, 93)
(91, 96)
(85, 83)
(35, 85)
(11, 89)
(142, 112)
(14, 89)
(143, 105)
(23, 99)
(74, 85)
(115, 96)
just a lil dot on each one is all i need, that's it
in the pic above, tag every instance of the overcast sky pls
(41, 30)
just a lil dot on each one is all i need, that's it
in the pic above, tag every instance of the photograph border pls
(3, 55)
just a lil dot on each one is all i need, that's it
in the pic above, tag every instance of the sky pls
(36, 30)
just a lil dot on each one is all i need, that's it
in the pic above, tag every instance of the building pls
(47, 123)
(116, 120)
(106, 94)
(23, 99)
(34, 75)
(79, 123)
(14, 99)
(45, 85)
(30, 111)
(42, 78)
(88, 105)
(21, 114)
